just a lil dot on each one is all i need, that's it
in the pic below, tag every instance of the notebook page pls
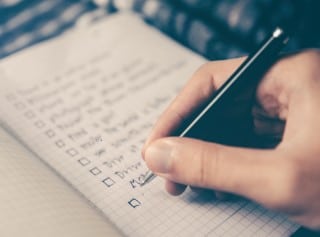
(35, 202)
(86, 101)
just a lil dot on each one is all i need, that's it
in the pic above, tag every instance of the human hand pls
(285, 178)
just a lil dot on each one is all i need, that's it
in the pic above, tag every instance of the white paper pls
(36, 202)
(85, 103)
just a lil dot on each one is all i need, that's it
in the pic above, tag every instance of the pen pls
(246, 75)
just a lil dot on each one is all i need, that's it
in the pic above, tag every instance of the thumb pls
(247, 172)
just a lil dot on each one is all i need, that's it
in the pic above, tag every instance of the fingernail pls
(158, 157)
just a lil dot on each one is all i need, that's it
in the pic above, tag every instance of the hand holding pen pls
(284, 112)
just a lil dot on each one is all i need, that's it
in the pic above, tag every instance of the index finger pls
(196, 92)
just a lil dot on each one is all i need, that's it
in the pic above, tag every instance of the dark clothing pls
(217, 29)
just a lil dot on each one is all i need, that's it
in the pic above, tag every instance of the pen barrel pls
(226, 118)
(256, 65)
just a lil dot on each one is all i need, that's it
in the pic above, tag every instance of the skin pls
(285, 178)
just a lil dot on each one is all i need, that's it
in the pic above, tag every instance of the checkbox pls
(60, 143)
(72, 152)
(95, 171)
(19, 106)
(108, 182)
(134, 202)
(84, 161)
(11, 97)
(50, 133)
(39, 124)
(29, 114)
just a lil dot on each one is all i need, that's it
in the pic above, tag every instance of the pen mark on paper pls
(95, 171)
(134, 203)
(50, 133)
(84, 161)
(60, 143)
(108, 182)
(72, 152)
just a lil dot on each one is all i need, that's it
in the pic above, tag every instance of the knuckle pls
(200, 173)
(303, 77)
(311, 57)
(207, 167)
(205, 72)
(312, 54)
(204, 68)
(206, 78)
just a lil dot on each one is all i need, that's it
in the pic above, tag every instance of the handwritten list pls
(89, 109)
(88, 119)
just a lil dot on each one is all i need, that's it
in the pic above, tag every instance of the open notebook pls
(83, 104)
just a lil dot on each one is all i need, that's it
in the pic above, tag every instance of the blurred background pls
(216, 29)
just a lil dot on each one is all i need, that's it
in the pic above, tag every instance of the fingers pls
(290, 92)
(174, 188)
(285, 178)
(246, 172)
(195, 93)
(266, 126)
(286, 81)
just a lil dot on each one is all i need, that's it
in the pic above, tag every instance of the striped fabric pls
(26, 22)
(221, 29)
(216, 29)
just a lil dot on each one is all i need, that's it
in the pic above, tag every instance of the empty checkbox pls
(84, 161)
(60, 143)
(108, 182)
(19, 106)
(11, 97)
(39, 124)
(50, 133)
(95, 171)
(29, 114)
(134, 203)
(72, 152)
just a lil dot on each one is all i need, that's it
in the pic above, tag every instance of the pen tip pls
(148, 179)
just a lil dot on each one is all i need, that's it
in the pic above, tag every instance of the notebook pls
(74, 114)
